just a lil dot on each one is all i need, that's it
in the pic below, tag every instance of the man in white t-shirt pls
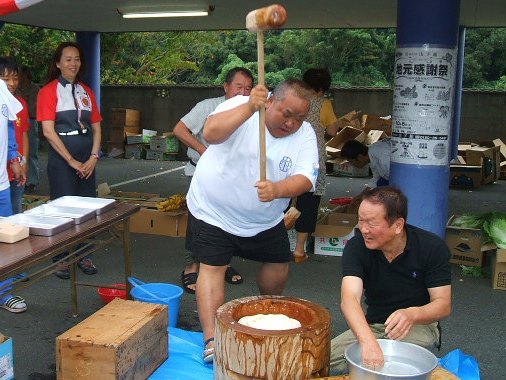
(232, 212)
(188, 130)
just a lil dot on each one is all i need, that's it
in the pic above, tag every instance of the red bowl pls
(108, 294)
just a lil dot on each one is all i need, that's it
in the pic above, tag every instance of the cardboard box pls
(147, 134)
(499, 270)
(465, 176)
(160, 156)
(6, 358)
(465, 244)
(333, 232)
(488, 158)
(382, 123)
(334, 145)
(154, 222)
(133, 138)
(118, 134)
(128, 196)
(502, 148)
(342, 167)
(499, 161)
(121, 117)
(30, 201)
(148, 220)
(135, 151)
(168, 143)
(370, 137)
(123, 340)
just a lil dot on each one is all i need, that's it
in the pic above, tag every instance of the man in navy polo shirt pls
(404, 274)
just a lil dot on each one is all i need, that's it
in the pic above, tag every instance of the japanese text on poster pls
(423, 105)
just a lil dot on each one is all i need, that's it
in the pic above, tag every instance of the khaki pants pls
(423, 335)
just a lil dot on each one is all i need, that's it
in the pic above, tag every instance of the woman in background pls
(323, 119)
(70, 119)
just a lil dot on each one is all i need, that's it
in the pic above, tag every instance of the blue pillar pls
(424, 86)
(458, 94)
(90, 43)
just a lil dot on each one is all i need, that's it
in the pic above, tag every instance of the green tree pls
(355, 57)
(32, 46)
(146, 58)
(485, 58)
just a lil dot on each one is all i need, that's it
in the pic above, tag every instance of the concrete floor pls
(476, 326)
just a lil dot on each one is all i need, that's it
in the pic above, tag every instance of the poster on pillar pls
(422, 105)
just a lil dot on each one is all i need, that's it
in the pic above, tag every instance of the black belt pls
(193, 163)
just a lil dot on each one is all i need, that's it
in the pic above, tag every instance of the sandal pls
(87, 266)
(229, 276)
(62, 271)
(14, 304)
(187, 280)
(208, 354)
(300, 259)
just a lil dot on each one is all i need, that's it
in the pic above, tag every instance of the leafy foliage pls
(355, 57)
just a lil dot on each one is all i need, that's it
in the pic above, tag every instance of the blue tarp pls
(461, 364)
(185, 358)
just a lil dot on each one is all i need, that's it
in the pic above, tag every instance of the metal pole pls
(424, 86)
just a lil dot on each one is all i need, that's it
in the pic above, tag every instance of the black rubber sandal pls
(229, 276)
(187, 280)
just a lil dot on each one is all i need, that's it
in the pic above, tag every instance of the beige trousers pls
(423, 335)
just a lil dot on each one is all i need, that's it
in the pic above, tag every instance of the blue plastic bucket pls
(164, 294)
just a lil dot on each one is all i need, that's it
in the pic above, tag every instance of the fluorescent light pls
(165, 14)
(166, 11)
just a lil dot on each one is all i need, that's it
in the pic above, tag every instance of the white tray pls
(100, 205)
(78, 214)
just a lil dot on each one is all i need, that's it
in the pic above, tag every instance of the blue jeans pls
(5, 202)
(33, 157)
(16, 197)
(5, 210)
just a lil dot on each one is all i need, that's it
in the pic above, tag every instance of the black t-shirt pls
(403, 282)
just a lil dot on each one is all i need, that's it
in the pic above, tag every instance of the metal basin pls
(402, 361)
(41, 225)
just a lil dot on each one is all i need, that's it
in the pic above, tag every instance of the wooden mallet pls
(271, 17)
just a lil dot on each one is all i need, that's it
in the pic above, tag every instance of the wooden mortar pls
(243, 352)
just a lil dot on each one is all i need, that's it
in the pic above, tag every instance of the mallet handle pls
(261, 117)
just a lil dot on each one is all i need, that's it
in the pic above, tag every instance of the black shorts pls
(213, 246)
(308, 205)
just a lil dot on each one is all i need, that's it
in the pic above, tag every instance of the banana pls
(174, 202)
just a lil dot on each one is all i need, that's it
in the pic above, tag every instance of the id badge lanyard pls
(82, 129)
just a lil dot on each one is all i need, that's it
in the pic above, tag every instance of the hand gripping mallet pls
(271, 17)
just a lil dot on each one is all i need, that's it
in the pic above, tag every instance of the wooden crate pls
(125, 117)
(118, 134)
(123, 340)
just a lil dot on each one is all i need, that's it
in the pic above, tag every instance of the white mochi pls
(270, 322)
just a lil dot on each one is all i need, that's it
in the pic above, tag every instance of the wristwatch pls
(95, 155)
